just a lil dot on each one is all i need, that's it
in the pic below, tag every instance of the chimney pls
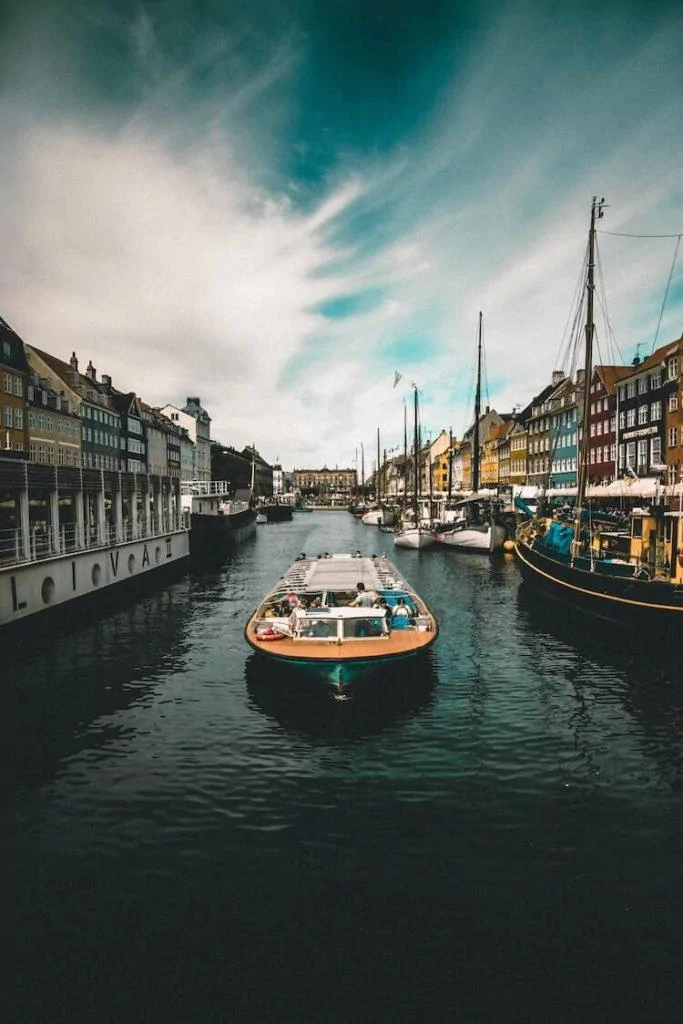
(580, 376)
(558, 377)
(91, 372)
(106, 380)
(636, 361)
(73, 362)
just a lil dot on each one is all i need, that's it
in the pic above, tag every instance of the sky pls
(277, 205)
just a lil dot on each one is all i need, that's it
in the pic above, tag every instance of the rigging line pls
(668, 283)
(602, 295)
(559, 359)
(623, 234)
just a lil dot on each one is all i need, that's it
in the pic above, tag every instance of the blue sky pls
(275, 205)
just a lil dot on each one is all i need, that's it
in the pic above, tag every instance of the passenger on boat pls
(401, 609)
(364, 598)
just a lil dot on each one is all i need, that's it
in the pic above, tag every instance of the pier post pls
(54, 521)
(80, 519)
(118, 512)
(101, 514)
(148, 508)
(24, 523)
(134, 508)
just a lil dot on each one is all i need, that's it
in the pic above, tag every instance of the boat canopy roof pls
(340, 573)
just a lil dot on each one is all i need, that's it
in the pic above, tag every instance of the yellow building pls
(13, 391)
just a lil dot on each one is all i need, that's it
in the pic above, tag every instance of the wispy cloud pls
(160, 235)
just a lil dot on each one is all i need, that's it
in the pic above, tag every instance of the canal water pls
(494, 833)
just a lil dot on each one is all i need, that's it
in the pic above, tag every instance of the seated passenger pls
(364, 598)
(401, 609)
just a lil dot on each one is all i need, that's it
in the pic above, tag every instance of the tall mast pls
(362, 468)
(596, 213)
(450, 462)
(405, 452)
(477, 411)
(377, 487)
(416, 489)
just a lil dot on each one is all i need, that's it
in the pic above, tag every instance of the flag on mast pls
(397, 377)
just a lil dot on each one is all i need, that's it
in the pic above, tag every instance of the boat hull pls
(211, 534)
(341, 673)
(466, 539)
(627, 601)
(414, 538)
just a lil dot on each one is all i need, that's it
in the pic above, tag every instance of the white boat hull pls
(470, 539)
(414, 537)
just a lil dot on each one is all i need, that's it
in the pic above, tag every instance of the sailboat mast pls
(450, 462)
(378, 488)
(362, 468)
(477, 412)
(596, 213)
(416, 490)
(405, 452)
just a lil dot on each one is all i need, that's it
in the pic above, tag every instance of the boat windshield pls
(364, 627)
(313, 628)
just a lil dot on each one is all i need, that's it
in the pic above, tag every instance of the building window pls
(672, 368)
(673, 437)
(630, 454)
(622, 420)
(613, 453)
(631, 389)
(613, 424)
(673, 402)
(7, 421)
(656, 451)
(622, 456)
(642, 385)
(642, 414)
(19, 419)
(631, 418)
(656, 380)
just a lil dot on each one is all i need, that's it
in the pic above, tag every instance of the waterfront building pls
(518, 442)
(163, 442)
(262, 472)
(602, 423)
(339, 484)
(489, 476)
(235, 468)
(644, 444)
(100, 422)
(537, 418)
(488, 419)
(197, 422)
(673, 452)
(565, 406)
(14, 372)
(278, 480)
(133, 444)
(54, 430)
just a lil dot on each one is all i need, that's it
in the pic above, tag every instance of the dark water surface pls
(495, 835)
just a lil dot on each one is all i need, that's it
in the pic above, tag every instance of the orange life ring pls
(270, 634)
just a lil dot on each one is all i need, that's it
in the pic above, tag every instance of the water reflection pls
(298, 703)
(609, 666)
(66, 687)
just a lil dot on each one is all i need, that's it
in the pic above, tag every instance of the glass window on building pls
(673, 437)
(672, 368)
(656, 380)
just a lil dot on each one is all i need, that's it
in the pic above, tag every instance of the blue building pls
(565, 420)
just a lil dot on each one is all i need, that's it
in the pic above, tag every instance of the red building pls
(602, 423)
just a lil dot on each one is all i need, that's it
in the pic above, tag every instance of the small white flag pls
(397, 377)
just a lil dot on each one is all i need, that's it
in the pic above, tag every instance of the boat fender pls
(680, 556)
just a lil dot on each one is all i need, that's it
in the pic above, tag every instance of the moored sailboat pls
(476, 530)
(411, 531)
(631, 575)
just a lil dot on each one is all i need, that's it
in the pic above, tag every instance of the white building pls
(278, 479)
(197, 422)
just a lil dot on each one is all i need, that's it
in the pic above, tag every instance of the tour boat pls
(217, 522)
(307, 619)
(631, 574)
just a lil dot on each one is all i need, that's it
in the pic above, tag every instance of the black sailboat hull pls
(628, 601)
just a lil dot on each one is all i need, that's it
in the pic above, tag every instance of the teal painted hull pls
(341, 673)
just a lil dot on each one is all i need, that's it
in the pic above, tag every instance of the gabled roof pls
(72, 378)
(611, 375)
(18, 353)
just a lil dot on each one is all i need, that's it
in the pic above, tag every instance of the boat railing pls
(44, 542)
(205, 488)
